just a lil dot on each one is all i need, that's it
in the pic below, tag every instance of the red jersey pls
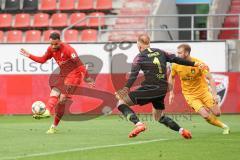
(66, 57)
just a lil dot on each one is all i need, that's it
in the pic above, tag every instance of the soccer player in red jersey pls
(72, 71)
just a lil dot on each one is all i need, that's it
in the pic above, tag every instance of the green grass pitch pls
(106, 138)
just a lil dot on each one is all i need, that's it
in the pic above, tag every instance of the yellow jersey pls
(193, 80)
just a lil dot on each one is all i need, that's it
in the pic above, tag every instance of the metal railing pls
(149, 27)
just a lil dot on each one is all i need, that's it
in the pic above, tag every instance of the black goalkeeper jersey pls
(153, 62)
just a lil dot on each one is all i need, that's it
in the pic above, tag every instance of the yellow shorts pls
(204, 100)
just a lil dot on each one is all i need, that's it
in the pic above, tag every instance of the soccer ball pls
(38, 107)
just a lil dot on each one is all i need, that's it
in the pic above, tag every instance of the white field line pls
(82, 149)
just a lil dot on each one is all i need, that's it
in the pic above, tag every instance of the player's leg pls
(53, 99)
(131, 116)
(59, 112)
(198, 106)
(210, 118)
(124, 107)
(159, 116)
(209, 102)
(213, 110)
(216, 110)
(60, 108)
(51, 103)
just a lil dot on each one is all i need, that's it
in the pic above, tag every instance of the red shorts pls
(65, 84)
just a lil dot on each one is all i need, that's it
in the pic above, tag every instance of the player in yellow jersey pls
(195, 88)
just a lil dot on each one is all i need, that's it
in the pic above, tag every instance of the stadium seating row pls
(53, 5)
(231, 21)
(36, 36)
(24, 20)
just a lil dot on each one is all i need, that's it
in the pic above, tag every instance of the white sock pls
(53, 126)
(180, 130)
(225, 126)
(139, 123)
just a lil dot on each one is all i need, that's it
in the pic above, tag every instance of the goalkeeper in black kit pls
(153, 89)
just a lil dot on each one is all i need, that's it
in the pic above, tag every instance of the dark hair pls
(54, 36)
(186, 47)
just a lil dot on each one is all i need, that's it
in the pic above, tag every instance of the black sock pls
(169, 123)
(129, 113)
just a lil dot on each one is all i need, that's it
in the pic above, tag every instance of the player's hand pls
(171, 97)
(90, 82)
(24, 52)
(120, 94)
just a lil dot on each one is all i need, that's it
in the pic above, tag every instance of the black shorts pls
(149, 94)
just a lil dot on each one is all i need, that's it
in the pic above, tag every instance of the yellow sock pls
(214, 121)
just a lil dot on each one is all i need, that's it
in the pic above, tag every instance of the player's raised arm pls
(42, 59)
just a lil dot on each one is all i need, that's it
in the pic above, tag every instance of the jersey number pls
(158, 63)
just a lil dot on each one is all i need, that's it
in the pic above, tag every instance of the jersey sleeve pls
(205, 69)
(173, 70)
(74, 57)
(134, 72)
(42, 59)
(172, 58)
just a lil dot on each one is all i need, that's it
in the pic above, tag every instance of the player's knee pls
(217, 114)
(55, 92)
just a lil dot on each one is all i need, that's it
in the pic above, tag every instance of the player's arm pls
(172, 58)
(212, 85)
(134, 72)
(120, 94)
(171, 81)
(81, 67)
(42, 59)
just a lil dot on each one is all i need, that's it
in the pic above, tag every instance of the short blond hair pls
(144, 39)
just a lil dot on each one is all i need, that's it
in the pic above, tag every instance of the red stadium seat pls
(104, 5)
(5, 20)
(47, 33)
(48, 5)
(1, 36)
(119, 36)
(14, 36)
(228, 36)
(85, 5)
(76, 17)
(41, 20)
(89, 35)
(33, 36)
(95, 22)
(235, 3)
(132, 20)
(22, 20)
(59, 20)
(135, 11)
(65, 5)
(71, 35)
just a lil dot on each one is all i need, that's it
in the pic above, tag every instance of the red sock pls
(52, 102)
(59, 112)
